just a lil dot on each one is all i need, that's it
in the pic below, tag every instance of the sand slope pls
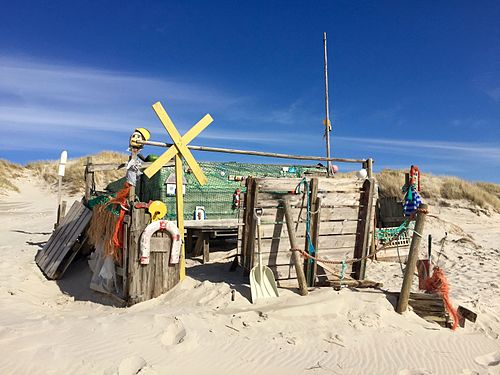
(49, 327)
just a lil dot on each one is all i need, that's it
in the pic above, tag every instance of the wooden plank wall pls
(144, 282)
(57, 253)
(337, 230)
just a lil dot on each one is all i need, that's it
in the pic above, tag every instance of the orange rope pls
(438, 283)
(121, 199)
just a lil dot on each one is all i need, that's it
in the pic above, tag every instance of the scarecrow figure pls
(134, 164)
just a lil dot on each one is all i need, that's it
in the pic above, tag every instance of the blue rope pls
(310, 249)
(342, 270)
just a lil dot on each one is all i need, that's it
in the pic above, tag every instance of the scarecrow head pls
(139, 134)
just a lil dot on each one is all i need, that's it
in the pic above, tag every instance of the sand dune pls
(49, 327)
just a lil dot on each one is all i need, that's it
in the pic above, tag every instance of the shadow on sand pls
(76, 283)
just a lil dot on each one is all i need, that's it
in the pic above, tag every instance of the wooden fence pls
(341, 227)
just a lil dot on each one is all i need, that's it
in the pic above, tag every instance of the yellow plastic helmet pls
(157, 209)
(144, 132)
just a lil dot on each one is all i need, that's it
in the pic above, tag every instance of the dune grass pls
(481, 194)
(9, 172)
(74, 179)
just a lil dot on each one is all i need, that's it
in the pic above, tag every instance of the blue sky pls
(410, 82)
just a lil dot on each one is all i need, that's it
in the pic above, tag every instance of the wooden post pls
(315, 235)
(295, 256)
(206, 247)
(131, 194)
(412, 260)
(179, 205)
(88, 178)
(248, 241)
(61, 211)
(363, 229)
(310, 266)
(369, 167)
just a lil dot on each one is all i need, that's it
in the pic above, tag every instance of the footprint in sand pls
(174, 334)
(491, 361)
(407, 371)
(132, 366)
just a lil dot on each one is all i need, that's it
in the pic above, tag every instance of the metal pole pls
(255, 153)
(327, 109)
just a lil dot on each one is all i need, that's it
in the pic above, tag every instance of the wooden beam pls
(315, 230)
(351, 283)
(88, 178)
(179, 205)
(255, 153)
(310, 265)
(411, 262)
(295, 254)
(117, 166)
(363, 230)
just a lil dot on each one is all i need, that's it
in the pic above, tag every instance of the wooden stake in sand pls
(179, 150)
(412, 260)
(297, 260)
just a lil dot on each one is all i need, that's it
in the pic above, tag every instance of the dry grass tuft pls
(454, 188)
(73, 181)
(9, 172)
(482, 194)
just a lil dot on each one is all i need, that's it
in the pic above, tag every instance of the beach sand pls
(63, 327)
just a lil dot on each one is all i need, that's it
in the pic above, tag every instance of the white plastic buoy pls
(362, 173)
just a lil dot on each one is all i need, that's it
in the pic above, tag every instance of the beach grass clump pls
(476, 193)
(9, 172)
(482, 194)
(74, 179)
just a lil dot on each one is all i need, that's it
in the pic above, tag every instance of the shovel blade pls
(262, 283)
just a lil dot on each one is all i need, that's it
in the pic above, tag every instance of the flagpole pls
(327, 109)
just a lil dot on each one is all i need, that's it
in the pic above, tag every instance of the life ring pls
(155, 226)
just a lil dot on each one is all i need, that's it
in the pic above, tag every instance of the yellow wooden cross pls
(178, 150)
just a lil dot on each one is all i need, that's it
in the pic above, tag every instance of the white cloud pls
(441, 149)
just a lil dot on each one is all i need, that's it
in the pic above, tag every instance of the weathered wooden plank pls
(62, 229)
(325, 242)
(278, 257)
(64, 239)
(325, 228)
(71, 248)
(325, 184)
(277, 184)
(125, 259)
(339, 184)
(363, 231)
(160, 244)
(339, 213)
(247, 208)
(149, 281)
(312, 240)
(74, 251)
(133, 271)
(64, 246)
(467, 314)
(352, 283)
(269, 199)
